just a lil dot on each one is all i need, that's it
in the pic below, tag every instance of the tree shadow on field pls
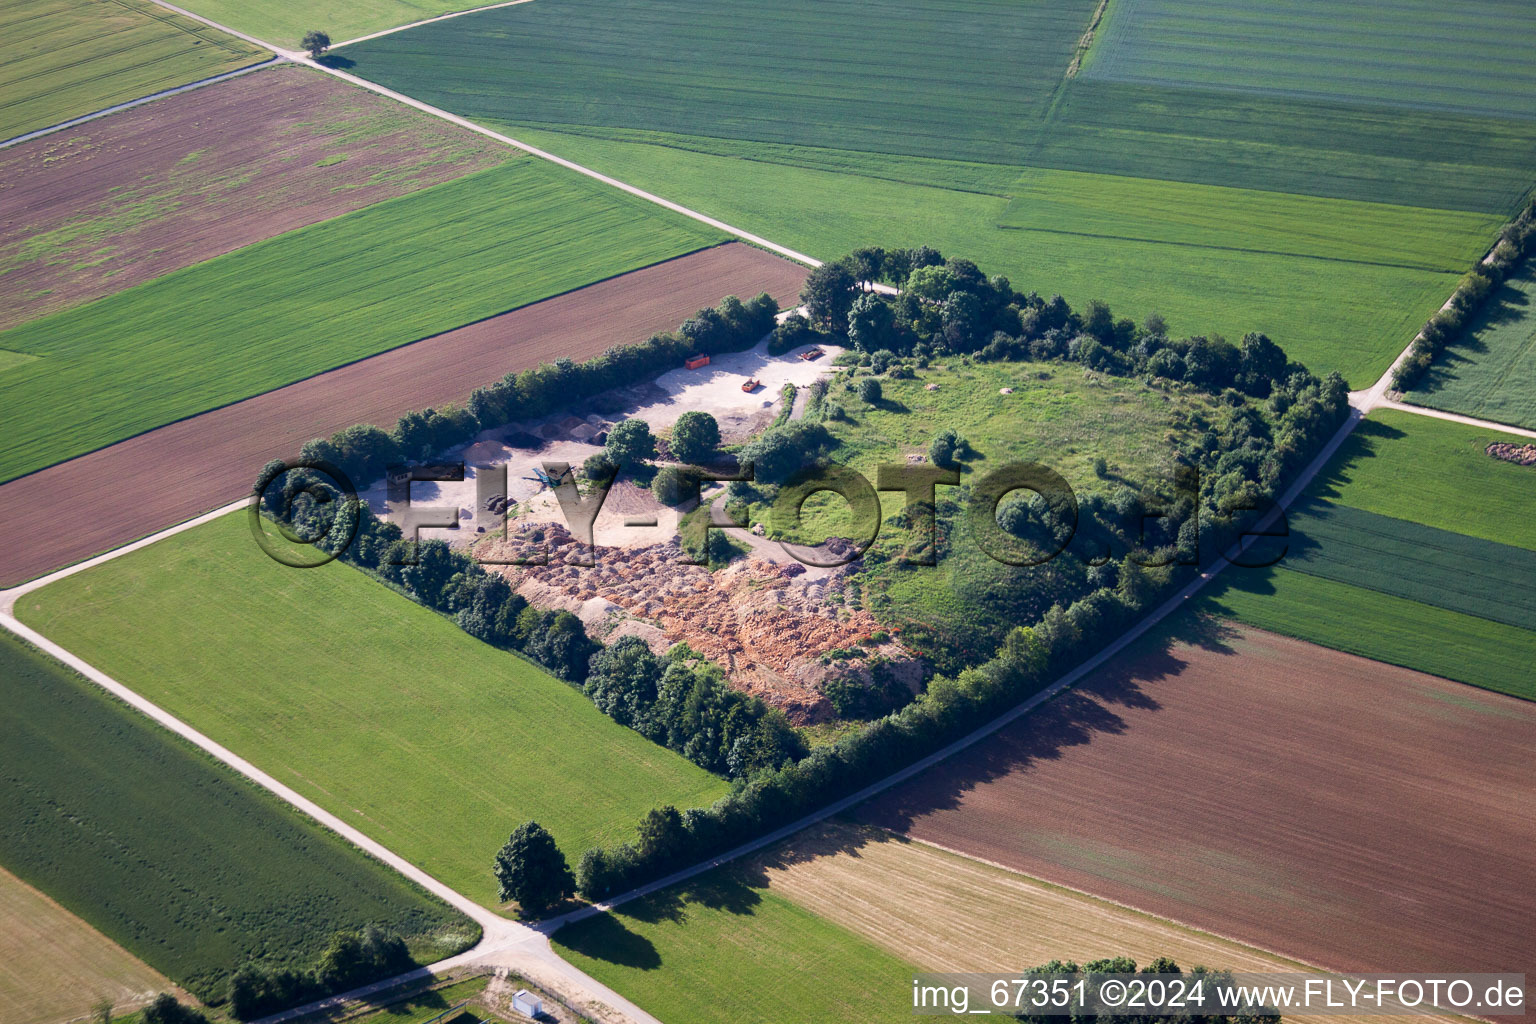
(1369, 436)
(604, 937)
(336, 60)
(1093, 709)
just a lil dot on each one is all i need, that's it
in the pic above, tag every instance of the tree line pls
(1472, 293)
(364, 451)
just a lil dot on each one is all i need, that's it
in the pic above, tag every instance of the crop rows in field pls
(794, 145)
(1381, 627)
(1490, 372)
(1349, 316)
(381, 711)
(1309, 147)
(176, 859)
(862, 905)
(284, 22)
(309, 300)
(1469, 56)
(1449, 570)
(825, 73)
(1415, 548)
(136, 195)
(1255, 786)
(72, 57)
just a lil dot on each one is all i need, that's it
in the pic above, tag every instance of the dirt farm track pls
(93, 503)
(1329, 808)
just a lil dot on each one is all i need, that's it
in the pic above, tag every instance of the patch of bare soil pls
(768, 625)
(130, 197)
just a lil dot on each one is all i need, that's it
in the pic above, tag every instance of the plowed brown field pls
(96, 502)
(1327, 807)
(132, 196)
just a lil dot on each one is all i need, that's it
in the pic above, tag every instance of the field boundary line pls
(1061, 685)
(1159, 918)
(463, 122)
(1454, 417)
(223, 76)
(428, 21)
(1228, 248)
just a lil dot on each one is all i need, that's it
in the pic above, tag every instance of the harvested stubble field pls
(54, 967)
(946, 912)
(174, 857)
(1329, 808)
(177, 471)
(316, 298)
(127, 198)
(382, 711)
(861, 906)
(65, 58)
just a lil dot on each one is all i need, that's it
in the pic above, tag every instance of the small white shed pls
(527, 1003)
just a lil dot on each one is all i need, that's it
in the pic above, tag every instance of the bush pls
(695, 437)
(946, 448)
(166, 1010)
(870, 391)
(674, 485)
(779, 452)
(352, 959)
(630, 443)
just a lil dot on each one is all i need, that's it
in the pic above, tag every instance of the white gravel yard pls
(715, 389)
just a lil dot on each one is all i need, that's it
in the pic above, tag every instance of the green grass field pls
(1491, 372)
(721, 949)
(312, 299)
(1353, 317)
(1437, 567)
(1433, 472)
(382, 711)
(1379, 626)
(1248, 220)
(1402, 155)
(1332, 230)
(1422, 556)
(804, 72)
(174, 857)
(1467, 56)
(66, 58)
(284, 22)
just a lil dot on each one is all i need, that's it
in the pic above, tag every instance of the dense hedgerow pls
(363, 451)
(1447, 325)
